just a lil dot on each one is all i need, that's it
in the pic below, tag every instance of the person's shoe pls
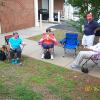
(42, 56)
(52, 57)
(12, 61)
(15, 61)
(18, 60)
(75, 66)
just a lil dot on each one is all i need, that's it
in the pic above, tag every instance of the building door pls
(45, 4)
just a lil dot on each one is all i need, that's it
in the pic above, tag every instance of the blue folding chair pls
(70, 42)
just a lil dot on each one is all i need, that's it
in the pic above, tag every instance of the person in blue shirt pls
(15, 44)
(89, 30)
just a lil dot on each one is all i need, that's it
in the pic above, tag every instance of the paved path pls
(32, 49)
(65, 26)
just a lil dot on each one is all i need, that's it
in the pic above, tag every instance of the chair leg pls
(90, 59)
(75, 52)
(86, 62)
(64, 52)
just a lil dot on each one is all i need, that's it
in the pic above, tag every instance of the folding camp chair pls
(7, 37)
(94, 58)
(70, 42)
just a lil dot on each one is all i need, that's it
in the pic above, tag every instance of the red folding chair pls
(7, 37)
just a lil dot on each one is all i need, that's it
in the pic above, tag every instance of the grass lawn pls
(59, 34)
(38, 80)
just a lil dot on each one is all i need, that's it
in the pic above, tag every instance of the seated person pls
(15, 44)
(86, 54)
(48, 41)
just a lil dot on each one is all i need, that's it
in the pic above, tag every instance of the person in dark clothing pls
(89, 28)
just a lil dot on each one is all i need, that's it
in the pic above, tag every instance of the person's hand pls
(8, 48)
(87, 49)
(23, 44)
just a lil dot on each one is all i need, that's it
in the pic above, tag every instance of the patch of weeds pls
(4, 64)
(67, 97)
(38, 79)
(44, 71)
(53, 89)
(95, 96)
(59, 79)
(70, 84)
(23, 93)
(49, 70)
(4, 90)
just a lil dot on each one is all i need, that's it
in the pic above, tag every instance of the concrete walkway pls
(32, 49)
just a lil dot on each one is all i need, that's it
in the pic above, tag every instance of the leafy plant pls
(86, 5)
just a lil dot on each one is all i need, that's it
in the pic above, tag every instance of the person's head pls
(16, 35)
(48, 30)
(89, 16)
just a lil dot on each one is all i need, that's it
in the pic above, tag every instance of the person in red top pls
(48, 41)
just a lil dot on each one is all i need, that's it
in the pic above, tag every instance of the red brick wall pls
(39, 4)
(17, 14)
(58, 5)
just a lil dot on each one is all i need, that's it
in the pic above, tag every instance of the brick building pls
(19, 14)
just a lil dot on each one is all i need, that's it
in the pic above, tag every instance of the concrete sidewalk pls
(32, 49)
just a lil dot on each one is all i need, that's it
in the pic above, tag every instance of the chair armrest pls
(63, 41)
(78, 42)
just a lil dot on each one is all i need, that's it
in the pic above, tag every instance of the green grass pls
(59, 34)
(23, 93)
(38, 80)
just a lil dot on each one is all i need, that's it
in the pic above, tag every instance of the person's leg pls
(90, 40)
(12, 54)
(82, 55)
(51, 50)
(84, 41)
(18, 51)
(45, 47)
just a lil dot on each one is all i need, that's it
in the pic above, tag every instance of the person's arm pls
(87, 49)
(9, 44)
(95, 48)
(97, 29)
(22, 44)
(52, 37)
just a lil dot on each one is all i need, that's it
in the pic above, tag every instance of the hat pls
(14, 33)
